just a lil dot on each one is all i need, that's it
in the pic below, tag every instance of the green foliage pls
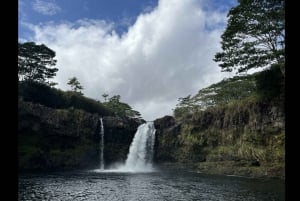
(184, 106)
(235, 88)
(265, 85)
(41, 93)
(222, 153)
(271, 83)
(55, 98)
(250, 152)
(276, 148)
(267, 149)
(78, 101)
(119, 108)
(254, 36)
(224, 92)
(36, 63)
(75, 85)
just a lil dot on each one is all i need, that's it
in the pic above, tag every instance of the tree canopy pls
(254, 36)
(36, 63)
(231, 89)
(75, 84)
(105, 95)
(119, 108)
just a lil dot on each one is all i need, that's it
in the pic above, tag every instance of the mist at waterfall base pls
(140, 156)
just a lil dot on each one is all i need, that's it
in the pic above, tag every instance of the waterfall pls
(101, 145)
(140, 156)
(141, 150)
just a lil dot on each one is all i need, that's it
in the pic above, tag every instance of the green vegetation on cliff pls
(245, 135)
(56, 98)
(36, 65)
(69, 138)
(60, 129)
(55, 138)
(240, 118)
(236, 126)
(261, 86)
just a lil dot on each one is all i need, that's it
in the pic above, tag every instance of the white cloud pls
(127, 21)
(150, 6)
(166, 54)
(45, 7)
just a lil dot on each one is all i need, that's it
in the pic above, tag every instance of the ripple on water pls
(146, 186)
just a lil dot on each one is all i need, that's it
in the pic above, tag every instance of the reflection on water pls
(146, 186)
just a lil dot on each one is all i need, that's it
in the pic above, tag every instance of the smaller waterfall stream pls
(101, 145)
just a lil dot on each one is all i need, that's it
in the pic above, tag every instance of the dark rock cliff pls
(244, 139)
(119, 132)
(69, 138)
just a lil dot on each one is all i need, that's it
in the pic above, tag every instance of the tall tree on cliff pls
(254, 36)
(75, 84)
(36, 63)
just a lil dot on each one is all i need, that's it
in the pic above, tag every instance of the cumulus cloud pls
(166, 54)
(45, 7)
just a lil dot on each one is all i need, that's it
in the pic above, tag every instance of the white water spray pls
(101, 145)
(141, 150)
(139, 158)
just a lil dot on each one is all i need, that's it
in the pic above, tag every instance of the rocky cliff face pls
(69, 138)
(119, 133)
(246, 139)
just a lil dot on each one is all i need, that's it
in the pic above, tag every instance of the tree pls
(221, 93)
(105, 95)
(254, 36)
(121, 109)
(184, 106)
(36, 63)
(75, 84)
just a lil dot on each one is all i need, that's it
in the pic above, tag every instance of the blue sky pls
(120, 12)
(151, 52)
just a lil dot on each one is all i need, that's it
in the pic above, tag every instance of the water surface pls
(156, 186)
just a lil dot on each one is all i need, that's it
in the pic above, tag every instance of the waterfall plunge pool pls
(159, 185)
(137, 179)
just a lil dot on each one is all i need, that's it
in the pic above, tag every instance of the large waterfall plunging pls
(101, 145)
(141, 150)
(139, 158)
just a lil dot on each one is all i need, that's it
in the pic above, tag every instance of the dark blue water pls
(165, 186)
